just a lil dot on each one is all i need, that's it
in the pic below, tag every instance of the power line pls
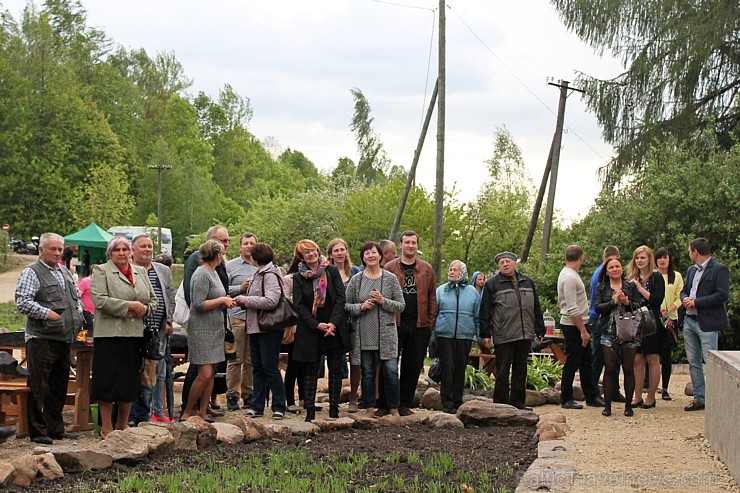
(403, 5)
(518, 79)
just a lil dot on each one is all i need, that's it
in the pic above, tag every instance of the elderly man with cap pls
(510, 318)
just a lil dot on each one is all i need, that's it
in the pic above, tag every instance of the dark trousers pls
(577, 358)
(453, 356)
(511, 357)
(48, 376)
(293, 376)
(335, 358)
(265, 349)
(666, 366)
(412, 348)
(388, 370)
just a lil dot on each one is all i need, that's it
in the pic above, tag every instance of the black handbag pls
(229, 344)
(151, 347)
(435, 371)
(648, 325)
(627, 325)
(279, 318)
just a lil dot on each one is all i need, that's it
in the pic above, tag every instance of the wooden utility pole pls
(159, 169)
(537, 208)
(412, 172)
(439, 191)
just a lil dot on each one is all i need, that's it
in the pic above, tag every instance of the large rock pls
(444, 420)
(322, 397)
(25, 470)
(552, 396)
(158, 438)
(432, 399)
(545, 426)
(578, 392)
(554, 417)
(334, 424)
(48, 467)
(411, 420)
(344, 395)
(472, 397)
(206, 433)
(535, 399)
(689, 389)
(77, 459)
(124, 447)
(252, 432)
(236, 419)
(362, 422)
(555, 449)
(278, 432)
(7, 474)
(185, 436)
(301, 428)
(228, 433)
(481, 413)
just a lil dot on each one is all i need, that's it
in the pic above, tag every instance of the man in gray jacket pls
(510, 318)
(47, 293)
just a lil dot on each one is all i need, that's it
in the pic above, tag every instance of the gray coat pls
(393, 304)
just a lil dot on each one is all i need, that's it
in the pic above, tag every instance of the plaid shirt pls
(27, 287)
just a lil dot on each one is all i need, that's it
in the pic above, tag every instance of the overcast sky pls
(297, 61)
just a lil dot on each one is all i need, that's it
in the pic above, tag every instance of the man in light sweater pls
(573, 319)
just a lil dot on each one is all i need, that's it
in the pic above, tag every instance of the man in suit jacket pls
(160, 277)
(705, 297)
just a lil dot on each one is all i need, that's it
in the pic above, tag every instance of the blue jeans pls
(389, 370)
(697, 343)
(265, 350)
(164, 376)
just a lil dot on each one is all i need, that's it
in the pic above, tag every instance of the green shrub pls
(476, 379)
(543, 372)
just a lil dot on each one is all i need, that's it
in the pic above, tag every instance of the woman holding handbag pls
(614, 294)
(669, 314)
(651, 289)
(318, 298)
(374, 298)
(264, 294)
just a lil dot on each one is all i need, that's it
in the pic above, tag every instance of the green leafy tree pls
(682, 70)
(106, 199)
(373, 161)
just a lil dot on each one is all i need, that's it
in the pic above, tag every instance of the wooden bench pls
(17, 413)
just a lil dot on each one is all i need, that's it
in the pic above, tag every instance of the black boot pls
(628, 410)
(310, 414)
(334, 411)
(607, 411)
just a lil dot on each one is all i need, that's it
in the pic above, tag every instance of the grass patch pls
(10, 318)
(300, 471)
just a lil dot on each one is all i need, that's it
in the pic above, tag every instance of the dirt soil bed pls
(504, 453)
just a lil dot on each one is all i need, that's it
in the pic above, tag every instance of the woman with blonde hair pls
(338, 254)
(206, 326)
(651, 288)
(318, 299)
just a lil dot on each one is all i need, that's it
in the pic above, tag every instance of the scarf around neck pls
(319, 282)
(461, 282)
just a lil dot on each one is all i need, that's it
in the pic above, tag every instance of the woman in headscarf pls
(318, 298)
(458, 305)
(477, 281)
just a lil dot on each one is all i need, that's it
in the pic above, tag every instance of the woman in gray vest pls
(123, 297)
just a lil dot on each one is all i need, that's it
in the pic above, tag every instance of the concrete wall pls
(722, 373)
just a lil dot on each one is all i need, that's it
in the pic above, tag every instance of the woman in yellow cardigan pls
(669, 311)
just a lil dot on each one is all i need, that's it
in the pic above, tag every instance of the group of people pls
(387, 311)
(650, 284)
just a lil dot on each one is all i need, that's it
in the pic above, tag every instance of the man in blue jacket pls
(704, 296)
(510, 318)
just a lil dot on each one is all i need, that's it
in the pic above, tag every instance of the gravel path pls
(9, 279)
(656, 450)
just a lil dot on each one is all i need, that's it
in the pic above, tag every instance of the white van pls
(132, 232)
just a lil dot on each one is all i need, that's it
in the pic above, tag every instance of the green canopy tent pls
(94, 240)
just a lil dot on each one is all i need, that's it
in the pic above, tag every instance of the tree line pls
(82, 121)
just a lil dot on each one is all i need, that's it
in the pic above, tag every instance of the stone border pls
(554, 469)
